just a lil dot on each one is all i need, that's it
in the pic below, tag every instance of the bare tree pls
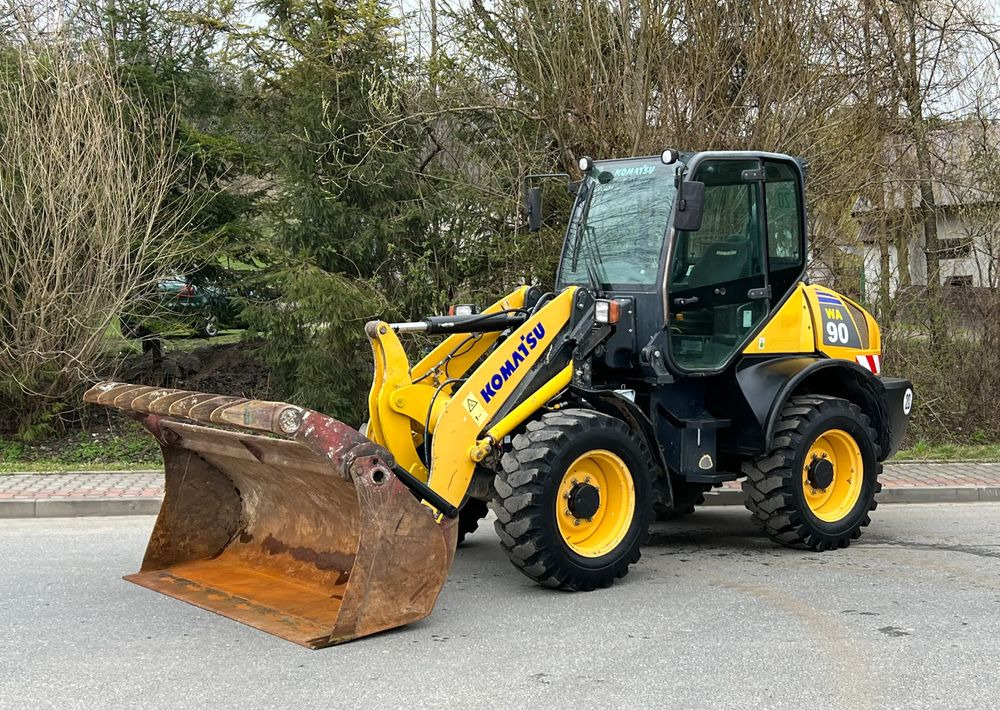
(86, 218)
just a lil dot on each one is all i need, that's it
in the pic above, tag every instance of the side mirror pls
(534, 207)
(690, 206)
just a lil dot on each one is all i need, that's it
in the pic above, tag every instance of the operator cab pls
(705, 246)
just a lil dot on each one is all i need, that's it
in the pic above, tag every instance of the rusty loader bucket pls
(303, 530)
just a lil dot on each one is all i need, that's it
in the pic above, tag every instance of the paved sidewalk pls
(140, 492)
(913, 475)
(53, 495)
(143, 484)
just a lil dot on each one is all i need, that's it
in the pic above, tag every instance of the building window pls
(960, 281)
(955, 248)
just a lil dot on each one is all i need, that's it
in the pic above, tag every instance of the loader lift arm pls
(467, 410)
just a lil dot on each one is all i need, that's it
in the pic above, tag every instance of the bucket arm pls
(468, 425)
(401, 397)
(290, 521)
(465, 407)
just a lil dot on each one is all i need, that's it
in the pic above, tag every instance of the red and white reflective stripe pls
(872, 363)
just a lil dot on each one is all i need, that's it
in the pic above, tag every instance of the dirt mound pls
(232, 369)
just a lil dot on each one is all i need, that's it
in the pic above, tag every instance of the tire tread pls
(769, 485)
(520, 487)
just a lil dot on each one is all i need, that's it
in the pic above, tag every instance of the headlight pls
(607, 311)
(586, 164)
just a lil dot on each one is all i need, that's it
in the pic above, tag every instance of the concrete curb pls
(78, 507)
(902, 494)
(81, 507)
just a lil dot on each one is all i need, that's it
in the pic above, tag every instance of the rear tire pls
(785, 490)
(574, 499)
(210, 328)
(686, 497)
(469, 516)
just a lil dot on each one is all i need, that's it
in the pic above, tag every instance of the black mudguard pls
(767, 384)
(899, 398)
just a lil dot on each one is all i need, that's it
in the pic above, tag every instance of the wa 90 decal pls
(838, 328)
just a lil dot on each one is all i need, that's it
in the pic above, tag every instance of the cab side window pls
(723, 249)
(785, 250)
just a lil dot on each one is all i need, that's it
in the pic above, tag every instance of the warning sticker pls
(476, 410)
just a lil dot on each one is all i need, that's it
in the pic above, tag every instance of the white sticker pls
(747, 319)
(907, 401)
(476, 410)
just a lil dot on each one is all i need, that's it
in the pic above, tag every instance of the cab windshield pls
(618, 224)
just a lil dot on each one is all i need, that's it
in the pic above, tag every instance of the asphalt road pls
(712, 617)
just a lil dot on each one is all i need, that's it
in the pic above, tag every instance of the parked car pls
(204, 306)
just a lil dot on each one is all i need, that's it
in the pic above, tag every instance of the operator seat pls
(722, 262)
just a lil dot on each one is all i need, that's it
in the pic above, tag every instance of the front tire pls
(574, 499)
(815, 489)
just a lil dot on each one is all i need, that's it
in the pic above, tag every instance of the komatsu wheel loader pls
(682, 348)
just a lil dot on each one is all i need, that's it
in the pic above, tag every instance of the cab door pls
(718, 275)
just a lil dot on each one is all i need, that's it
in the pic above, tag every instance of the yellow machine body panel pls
(818, 319)
(400, 397)
(479, 399)
(790, 330)
(843, 329)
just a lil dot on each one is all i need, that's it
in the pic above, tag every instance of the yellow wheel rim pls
(831, 499)
(601, 532)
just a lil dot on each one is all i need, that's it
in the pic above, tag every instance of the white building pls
(968, 215)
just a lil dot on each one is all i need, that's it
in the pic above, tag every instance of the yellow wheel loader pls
(682, 348)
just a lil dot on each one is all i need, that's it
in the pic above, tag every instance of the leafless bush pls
(958, 379)
(86, 215)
